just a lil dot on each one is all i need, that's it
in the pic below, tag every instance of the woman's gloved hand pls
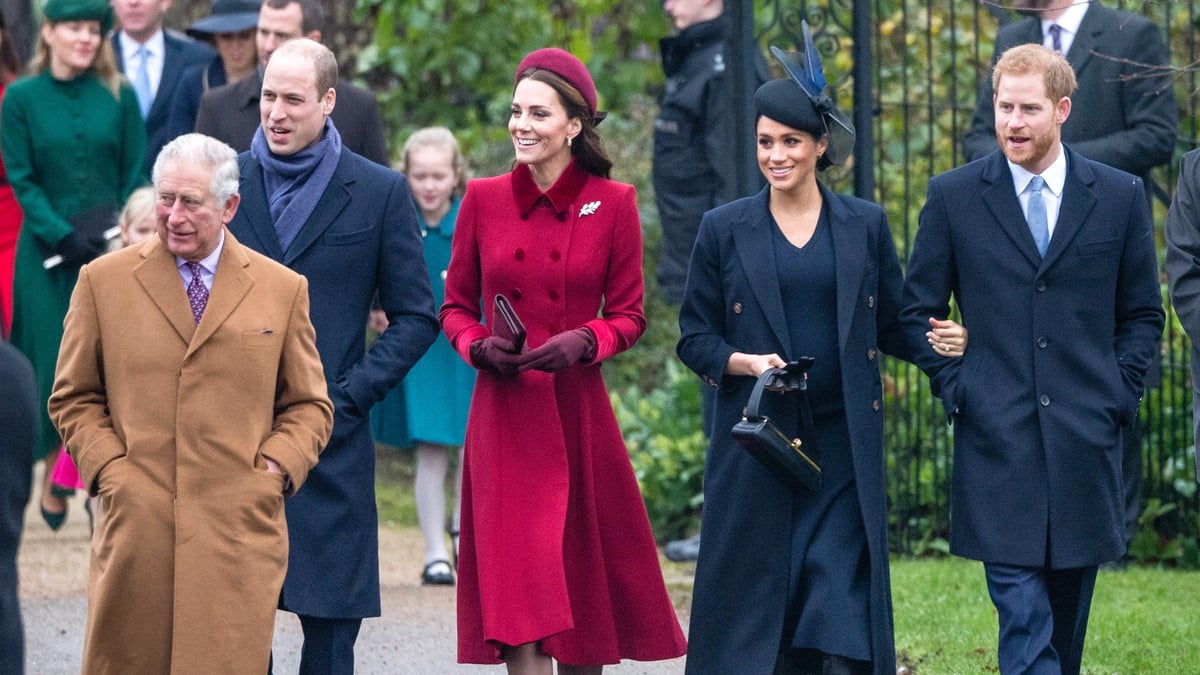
(561, 351)
(496, 354)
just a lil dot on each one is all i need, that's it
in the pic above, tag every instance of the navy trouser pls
(1043, 617)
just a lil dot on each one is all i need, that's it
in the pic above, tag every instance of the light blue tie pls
(1035, 214)
(141, 81)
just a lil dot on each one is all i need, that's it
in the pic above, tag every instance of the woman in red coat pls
(556, 556)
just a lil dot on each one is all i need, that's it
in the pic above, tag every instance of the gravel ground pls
(415, 634)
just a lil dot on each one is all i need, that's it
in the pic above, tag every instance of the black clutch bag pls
(796, 460)
(508, 324)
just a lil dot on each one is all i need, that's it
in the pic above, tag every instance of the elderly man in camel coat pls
(190, 393)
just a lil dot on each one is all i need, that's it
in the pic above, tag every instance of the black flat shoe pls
(437, 573)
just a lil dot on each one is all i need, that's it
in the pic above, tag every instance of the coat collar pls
(159, 277)
(752, 238)
(257, 214)
(1076, 204)
(561, 195)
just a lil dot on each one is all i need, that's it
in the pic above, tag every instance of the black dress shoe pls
(437, 573)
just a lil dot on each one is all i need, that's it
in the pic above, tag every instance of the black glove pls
(561, 351)
(496, 353)
(77, 249)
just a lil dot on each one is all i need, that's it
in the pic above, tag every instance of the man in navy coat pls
(1050, 258)
(141, 38)
(18, 419)
(349, 226)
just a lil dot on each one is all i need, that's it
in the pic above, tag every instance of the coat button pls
(1044, 400)
(875, 405)
(519, 254)
(870, 301)
(871, 354)
(1042, 342)
(555, 256)
(1041, 285)
(737, 308)
(553, 294)
(516, 294)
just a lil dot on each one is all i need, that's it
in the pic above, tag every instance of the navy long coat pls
(361, 238)
(733, 302)
(1058, 349)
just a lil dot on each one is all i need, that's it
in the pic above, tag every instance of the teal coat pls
(68, 146)
(431, 404)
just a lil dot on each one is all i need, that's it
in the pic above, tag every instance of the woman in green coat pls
(72, 139)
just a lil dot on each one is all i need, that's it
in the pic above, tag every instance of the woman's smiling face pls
(539, 125)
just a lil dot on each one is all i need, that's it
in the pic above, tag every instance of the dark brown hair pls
(586, 147)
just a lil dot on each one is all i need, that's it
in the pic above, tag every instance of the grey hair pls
(206, 151)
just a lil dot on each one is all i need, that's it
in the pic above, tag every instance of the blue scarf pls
(296, 182)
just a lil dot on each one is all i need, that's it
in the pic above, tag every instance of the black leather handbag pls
(796, 460)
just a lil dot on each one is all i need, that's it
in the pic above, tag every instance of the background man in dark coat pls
(230, 113)
(1183, 268)
(350, 227)
(19, 421)
(1125, 116)
(141, 27)
(1061, 335)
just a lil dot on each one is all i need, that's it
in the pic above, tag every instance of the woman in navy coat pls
(791, 580)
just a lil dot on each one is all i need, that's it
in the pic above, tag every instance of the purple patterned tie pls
(196, 291)
(1056, 37)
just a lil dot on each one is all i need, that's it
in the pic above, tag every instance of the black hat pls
(785, 102)
(228, 16)
(805, 102)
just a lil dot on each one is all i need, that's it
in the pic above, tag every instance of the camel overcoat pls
(169, 422)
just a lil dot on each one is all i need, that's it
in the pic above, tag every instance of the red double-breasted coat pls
(555, 544)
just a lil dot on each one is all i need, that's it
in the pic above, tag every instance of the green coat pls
(67, 146)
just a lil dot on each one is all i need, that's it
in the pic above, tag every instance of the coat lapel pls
(253, 208)
(231, 283)
(752, 238)
(160, 278)
(849, 255)
(172, 67)
(1076, 205)
(335, 198)
(1091, 31)
(1001, 201)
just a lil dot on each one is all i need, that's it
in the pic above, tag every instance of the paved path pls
(415, 634)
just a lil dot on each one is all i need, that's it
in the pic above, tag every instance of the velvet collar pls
(560, 195)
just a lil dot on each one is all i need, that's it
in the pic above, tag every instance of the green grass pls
(1144, 621)
(394, 471)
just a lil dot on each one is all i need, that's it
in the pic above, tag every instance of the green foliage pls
(666, 445)
(451, 62)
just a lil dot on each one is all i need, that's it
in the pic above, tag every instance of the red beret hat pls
(565, 65)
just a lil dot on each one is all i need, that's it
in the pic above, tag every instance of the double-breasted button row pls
(737, 308)
(1044, 400)
(876, 405)
(871, 301)
(1042, 342)
(555, 255)
(871, 353)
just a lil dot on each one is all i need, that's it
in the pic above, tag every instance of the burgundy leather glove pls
(496, 353)
(561, 351)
